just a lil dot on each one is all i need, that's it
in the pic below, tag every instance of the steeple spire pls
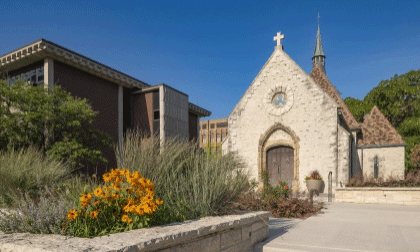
(319, 57)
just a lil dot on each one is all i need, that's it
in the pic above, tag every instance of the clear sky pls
(212, 50)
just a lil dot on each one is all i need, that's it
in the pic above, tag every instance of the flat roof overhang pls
(42, 49)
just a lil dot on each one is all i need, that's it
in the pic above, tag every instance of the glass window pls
(375, 167)
(218, 137)
(212, 126)
(203, 138)
(211, 138)
(204, 126)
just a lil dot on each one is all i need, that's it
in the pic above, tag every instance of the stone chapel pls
(290, 123)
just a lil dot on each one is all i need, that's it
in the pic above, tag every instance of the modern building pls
(123, 102)
(213, 133)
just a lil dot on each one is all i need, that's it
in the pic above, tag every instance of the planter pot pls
(315, 184)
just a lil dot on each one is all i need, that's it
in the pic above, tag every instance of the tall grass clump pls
(25, 171)
(191, 183)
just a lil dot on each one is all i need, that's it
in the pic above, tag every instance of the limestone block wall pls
(224, 233)
(311, 115)
(378, 195)
(391, 161)
(344, 146)
(174, 113)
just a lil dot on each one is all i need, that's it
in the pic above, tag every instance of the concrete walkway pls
(348, 227)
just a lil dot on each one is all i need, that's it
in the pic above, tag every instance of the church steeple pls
(319, 58)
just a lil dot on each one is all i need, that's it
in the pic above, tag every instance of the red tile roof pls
(377, 130)
(319, 77)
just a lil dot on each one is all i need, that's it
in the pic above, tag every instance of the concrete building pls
(123, 102)
(213, 133)
(289, 123)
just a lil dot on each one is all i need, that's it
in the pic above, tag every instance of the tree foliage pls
(51, 119)
(399, 100)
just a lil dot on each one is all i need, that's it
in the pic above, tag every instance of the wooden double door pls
(280, 165)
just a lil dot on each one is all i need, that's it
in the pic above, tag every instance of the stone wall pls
(390, 160)
(378, 195)
(225, 233)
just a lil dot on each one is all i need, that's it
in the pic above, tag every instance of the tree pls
(399, 100)
(51, 119)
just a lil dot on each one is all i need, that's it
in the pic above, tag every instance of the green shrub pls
(190, 183)
(281, 190)
(25, 171)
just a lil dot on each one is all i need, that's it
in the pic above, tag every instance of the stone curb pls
(148, 239)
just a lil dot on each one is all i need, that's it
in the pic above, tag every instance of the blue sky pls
(212, 50)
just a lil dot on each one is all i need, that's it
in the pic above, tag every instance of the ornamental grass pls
(24, 172)
(191, 183)
(126, 201)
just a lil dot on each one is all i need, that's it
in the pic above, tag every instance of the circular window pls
(279, 99)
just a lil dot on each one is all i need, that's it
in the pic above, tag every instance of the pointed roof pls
(321, 79)
(318, 45)
(377, 130)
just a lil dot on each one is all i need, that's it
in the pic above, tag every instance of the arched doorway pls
(280, 165)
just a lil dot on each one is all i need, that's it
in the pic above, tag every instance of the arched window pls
(375, 167)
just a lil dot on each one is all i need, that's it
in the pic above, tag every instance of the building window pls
(211, 138)
(35, 76)
(222, 125)
(375, 167)
(218, 137)
(223, 136)
(203, 139)
(156, 115)
(212, 126)
(204, 126)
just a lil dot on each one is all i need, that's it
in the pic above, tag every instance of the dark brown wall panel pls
(142, 112)
(192, 127)
(101, 94)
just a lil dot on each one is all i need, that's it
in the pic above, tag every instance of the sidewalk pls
(348, 227)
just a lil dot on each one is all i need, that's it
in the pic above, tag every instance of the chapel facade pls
(289, 123)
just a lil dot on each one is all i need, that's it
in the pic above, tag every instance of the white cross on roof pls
(278, 38)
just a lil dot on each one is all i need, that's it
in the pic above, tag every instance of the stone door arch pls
(266, 144)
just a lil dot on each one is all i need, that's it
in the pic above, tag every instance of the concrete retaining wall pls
(225, 233)
(379, 195)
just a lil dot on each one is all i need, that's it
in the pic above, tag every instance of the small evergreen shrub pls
(125, 202)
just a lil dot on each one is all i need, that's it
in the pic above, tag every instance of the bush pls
(25, 171)
(281, 190)
(411, 180)
(191, 183)
(51, 119)
(125, 203)
(279, 207)
(42, 213)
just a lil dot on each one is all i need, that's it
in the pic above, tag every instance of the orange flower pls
(125, 218)
(98, 192)
(72, 214)
(93, 214)
(159, 201)
(96, 202)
